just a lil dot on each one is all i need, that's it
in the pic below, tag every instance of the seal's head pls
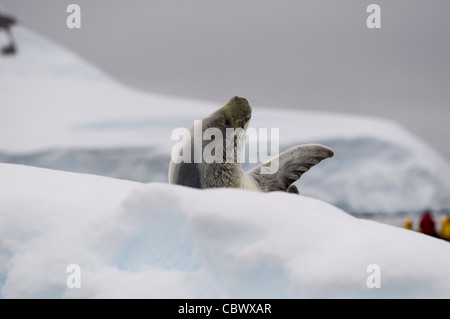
(235, 114)
(232, 120)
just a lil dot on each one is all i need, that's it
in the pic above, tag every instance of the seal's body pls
(228, 172)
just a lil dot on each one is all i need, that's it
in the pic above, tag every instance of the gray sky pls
(306, 55)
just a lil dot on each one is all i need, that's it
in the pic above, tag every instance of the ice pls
(134, 240)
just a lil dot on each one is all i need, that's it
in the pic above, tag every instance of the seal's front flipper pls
(291, 165)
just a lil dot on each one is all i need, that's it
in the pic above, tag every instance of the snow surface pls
(155, 240)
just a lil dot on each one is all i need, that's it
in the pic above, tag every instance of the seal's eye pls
(226, 121)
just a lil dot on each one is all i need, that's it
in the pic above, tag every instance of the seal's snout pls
(238, 99)
(241, 110)
(240, 104)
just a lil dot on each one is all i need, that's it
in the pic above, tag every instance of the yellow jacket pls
(445, 228)
(408, 223)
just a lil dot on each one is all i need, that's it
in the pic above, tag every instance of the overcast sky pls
(306, 55)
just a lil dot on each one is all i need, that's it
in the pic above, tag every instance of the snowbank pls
(134, 240)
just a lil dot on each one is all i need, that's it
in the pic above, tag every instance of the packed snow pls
(156, 240)
(133, 235)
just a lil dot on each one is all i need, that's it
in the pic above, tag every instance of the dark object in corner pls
(6, 22)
